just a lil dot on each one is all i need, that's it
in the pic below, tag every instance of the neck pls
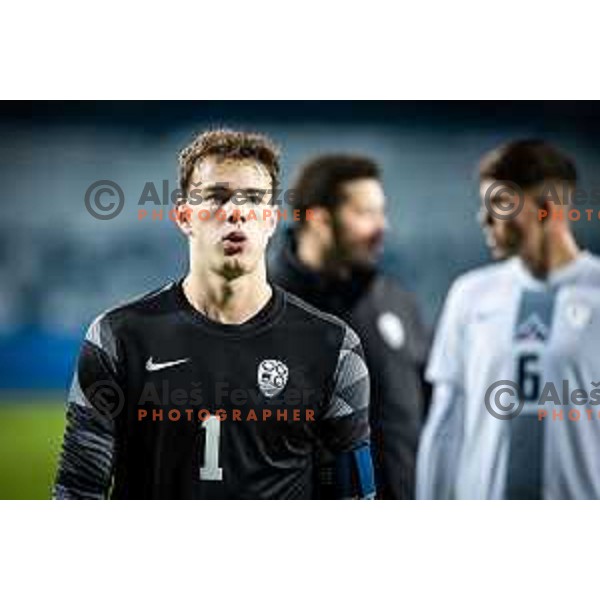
(229, 301)
(312, 253)
(559, 248)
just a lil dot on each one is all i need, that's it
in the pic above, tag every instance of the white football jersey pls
(541, 341)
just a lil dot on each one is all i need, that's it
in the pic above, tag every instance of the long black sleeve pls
(95, 399)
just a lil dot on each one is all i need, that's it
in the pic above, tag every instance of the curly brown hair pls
(231, 144)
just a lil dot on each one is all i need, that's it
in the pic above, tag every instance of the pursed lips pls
(236, 236)
(234, 242)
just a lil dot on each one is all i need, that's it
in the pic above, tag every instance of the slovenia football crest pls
(391, 330)
(579, 314)
(272, 377)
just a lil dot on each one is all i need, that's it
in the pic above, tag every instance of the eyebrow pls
(217, 188)
(225, 188)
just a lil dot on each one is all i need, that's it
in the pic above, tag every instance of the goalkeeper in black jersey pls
(219, 385)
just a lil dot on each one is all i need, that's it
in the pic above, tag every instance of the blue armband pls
(354, 474)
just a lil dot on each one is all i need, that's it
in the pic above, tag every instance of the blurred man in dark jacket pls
(329, 260)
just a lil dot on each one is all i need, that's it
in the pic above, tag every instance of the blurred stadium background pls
(60, 267)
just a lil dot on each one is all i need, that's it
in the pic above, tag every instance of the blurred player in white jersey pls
(516, 359)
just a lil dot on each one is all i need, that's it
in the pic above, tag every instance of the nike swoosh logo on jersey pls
(154, 366)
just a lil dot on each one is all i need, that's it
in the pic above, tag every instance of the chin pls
(498, 253)
(372, 262)
(368, 259)
(233, 267)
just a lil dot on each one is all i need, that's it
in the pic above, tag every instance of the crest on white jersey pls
(533, 329)
(272, 377)
(391, 330)
(578, 314)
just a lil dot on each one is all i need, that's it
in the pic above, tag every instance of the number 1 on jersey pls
(211, 470)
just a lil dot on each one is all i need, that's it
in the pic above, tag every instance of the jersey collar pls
(565, 274)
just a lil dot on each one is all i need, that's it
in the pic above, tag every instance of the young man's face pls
(521, 234)
(359, 222)
(231, 236)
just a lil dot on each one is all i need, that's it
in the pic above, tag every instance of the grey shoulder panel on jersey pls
(351, 390)
(314, 311)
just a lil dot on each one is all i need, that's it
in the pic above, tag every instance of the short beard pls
(231, 269)
(338, 257)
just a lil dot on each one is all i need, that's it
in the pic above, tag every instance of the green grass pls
(30, 437)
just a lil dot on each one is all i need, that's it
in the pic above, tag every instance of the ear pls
(183, 218)
(547, 204)
(544, 206)
(320, 218)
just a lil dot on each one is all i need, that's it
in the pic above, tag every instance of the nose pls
(236, 216)
(236, 213)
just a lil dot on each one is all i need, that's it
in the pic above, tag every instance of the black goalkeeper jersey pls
(166, 403)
